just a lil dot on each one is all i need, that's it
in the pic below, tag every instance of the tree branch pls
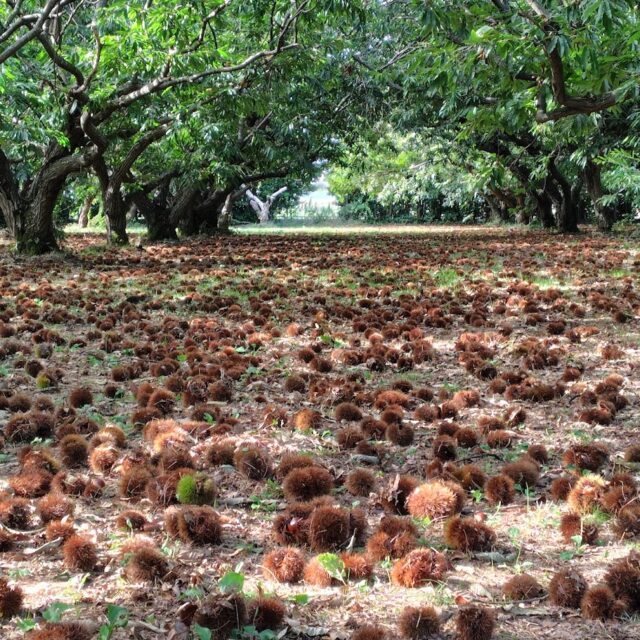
(162, 83)
(40, 19)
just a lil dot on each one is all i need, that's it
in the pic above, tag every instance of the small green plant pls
(299, 598)
(192, 593)
(26, 624)
(333, 565)
(578, 549)
(251, 633)
(19, 573)
(232, 581)
(201, 633)
(514, 536)
(117, 618)
(446, 278)
(53, 613)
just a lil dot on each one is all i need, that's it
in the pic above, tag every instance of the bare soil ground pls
(252, 335)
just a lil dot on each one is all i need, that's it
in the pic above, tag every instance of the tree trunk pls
(226, 212)
(157, 219)
(29, 214)
(605, 214)
(544, 209)
(115, 211)
(263, 207)
(83, 218)
(563, 197)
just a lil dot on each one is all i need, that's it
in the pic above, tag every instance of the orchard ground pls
(554, 321)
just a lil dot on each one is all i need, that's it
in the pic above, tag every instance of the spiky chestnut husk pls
(370, 632)
(394, 498)
(349, 437)
(500, 439)
(38, 460)
(523, 472)
(305, 483)
(539, 453)
(331, 528)
(436, 499)
(59, 529)
(161, 490)
(79, 554)
(219, 454)
(572, 525)
(382, 545)
(295, 383)
(360, 482)
(197, 488)
(162, 400)
(475, 623)
(253, 463)
(131, 520)
(567, 588)
(418, 568)
(222, 614)
(292, 526)
(291, 461)
(54, 506)
(133, 482)
(284, 565)
(419, 623)
(444, 448)
(74, 451)
(110, 435)
(599, 603)
(146, 564)
(171, 459)
(266, 613)
(306, 419)
(466, 534)
(466, 438)
(585, 495)
(31, 484)
(347, 412)
(69, 483)
(198, 525)
(399, 434)
(10, 599)
(522, 587)
(623, 578)
(103, 458)
(15, 513)
(617, 498)
(80, 397)
(357, 566)
(61, 631)
(6, 541)
(590, 457)
(627, 522)
(632, 453)
(561, 487)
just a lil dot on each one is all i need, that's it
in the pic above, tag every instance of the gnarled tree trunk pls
(29, 212)
(605, 214)
(226, 212)
(263, 207)
(565, 200)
